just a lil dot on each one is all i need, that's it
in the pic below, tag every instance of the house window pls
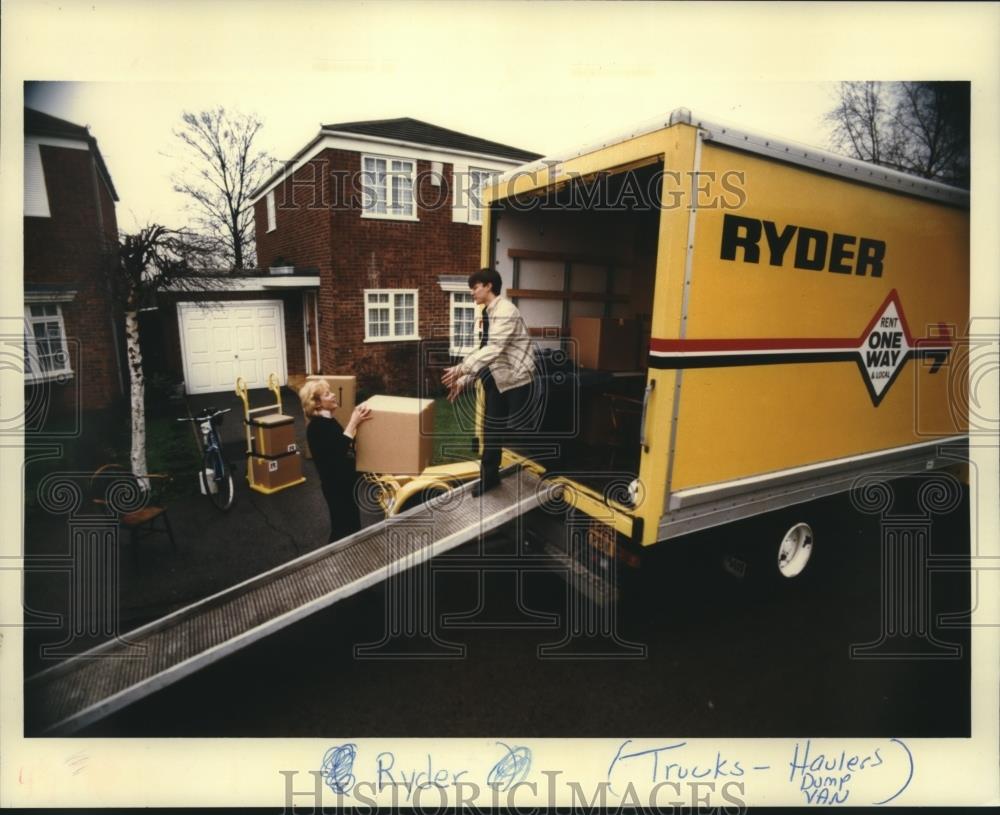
(478, 178)
(271, 223)
(463, 323)
(390, 314)
(387, 187)
(45, 352)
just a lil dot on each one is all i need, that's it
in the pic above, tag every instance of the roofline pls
(804, 155)
(286, 169)
(84, 136)
(104, 171)
(289, 167)
(440, 149)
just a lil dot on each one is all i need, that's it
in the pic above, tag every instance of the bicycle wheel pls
(220, 480)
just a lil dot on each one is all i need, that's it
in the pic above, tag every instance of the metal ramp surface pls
(94, 684)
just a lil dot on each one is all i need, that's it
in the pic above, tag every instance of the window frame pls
(30, 321)
(453, 348)
(392, 336)
(272, 214)
(475, 213)
(366, 185)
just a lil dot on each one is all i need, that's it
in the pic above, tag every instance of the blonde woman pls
(332, 448)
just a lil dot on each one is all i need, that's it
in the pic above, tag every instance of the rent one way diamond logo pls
(880, 352)
(885, 348)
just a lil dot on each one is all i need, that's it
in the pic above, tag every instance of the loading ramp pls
(96, 683)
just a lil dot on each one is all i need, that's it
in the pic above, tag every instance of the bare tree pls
(861, 120)
(142, 264)
(916, 127)
(933, 122)
(222, 169)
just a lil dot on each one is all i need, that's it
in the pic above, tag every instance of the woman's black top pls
(332, 452)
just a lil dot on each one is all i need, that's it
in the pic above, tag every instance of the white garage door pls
(227, 340)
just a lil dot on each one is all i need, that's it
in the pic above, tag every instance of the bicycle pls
(215, 478)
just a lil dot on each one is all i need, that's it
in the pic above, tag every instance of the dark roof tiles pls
(413, 130)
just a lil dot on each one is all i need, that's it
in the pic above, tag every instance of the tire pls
(775, 555)
(224, 491)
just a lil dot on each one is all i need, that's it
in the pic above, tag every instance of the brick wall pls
(354, 253)
(69, 248)
(302, 234)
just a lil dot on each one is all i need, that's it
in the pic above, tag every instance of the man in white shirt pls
(505, 363)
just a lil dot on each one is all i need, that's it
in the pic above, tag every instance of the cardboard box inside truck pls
(604, 343)
(398, 438)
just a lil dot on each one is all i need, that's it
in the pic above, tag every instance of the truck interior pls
(579, 261)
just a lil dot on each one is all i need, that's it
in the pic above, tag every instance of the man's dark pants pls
(505, 412)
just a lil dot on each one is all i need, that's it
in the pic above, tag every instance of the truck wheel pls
(795, 550)
(776, 555)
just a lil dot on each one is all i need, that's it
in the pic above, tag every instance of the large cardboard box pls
(274, 473)
(604, 343)
(346, 390)
(398, 438)
(273, 435)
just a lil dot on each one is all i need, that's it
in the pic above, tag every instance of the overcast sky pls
(141, 151)
(540, 76)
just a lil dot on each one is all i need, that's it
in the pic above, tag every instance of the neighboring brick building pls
(73, 341)
(383, 216)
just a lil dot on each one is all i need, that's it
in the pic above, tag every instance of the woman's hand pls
(362, 413)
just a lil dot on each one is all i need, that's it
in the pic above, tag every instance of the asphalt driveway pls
(215, 549)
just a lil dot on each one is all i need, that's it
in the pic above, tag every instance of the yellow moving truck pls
(796, 315)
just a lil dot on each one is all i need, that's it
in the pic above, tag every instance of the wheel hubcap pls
(795, 550)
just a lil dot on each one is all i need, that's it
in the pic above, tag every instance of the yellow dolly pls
(266, 473)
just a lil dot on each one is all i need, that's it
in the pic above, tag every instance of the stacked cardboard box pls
(398, 438)
(275, 461)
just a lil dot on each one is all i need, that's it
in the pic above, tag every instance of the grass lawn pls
(454, 431)
(106, 439)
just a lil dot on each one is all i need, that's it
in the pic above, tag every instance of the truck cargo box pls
(805, 314)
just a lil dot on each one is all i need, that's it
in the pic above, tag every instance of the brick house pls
(73, 345)
(376, 226)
